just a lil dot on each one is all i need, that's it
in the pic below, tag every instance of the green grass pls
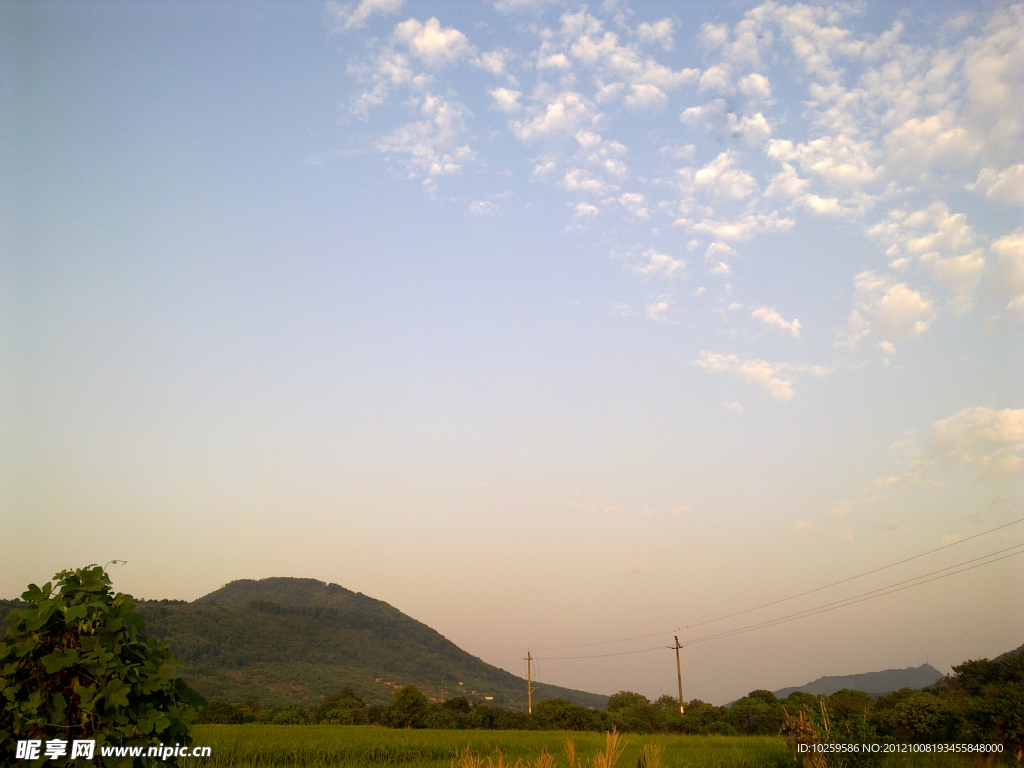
(318, 746)
(263, 746)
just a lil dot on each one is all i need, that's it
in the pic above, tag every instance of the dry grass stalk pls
(469, 759)
(500, 762)
(612, 751)
(545, 760)
(570, 752)
(650, 755)
(799, 730)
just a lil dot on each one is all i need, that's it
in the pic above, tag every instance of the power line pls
(781, 600)
(846, 602)
(887, 590)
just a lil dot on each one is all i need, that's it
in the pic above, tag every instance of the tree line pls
(981, 702)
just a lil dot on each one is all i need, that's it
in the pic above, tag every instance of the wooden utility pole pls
(442, 691)
(679, 671)
(529, 683)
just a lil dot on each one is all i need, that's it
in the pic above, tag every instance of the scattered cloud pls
(988, 441)
(659, 33)
(773, 319)
(433, 44)
(344, 17)
(1006, 186)
(772, 378)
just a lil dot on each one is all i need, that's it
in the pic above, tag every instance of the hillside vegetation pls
(296, 640)
(873, 683)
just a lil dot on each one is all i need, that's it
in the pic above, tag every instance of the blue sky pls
(547, 323)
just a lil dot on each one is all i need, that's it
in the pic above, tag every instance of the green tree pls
(626, 700)
(75, 665)
(409, 708)
(222, 713)
(562, 715)
(916, 716)
(756, 714)
(345, 707)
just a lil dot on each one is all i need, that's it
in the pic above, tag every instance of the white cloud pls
(755, 86)
(803, 525)
(559, 116)
(661, 264)
(841, 161)
(786, 184)
(582, 180)
(343, 17)
(660, 32)
(722, 180)
(984, 439)
(635, 203)
(586, 210)
(738, 230)
(645, 96)
(768, 376)
(887, 309)
(482, 208)
(433, 146)
(941, 241)
(773, 319)
(657, 310)
(716, 78)
(1006, 186)
(433, 44)
(1008, 274)
(497, 62)
(506, 100)
(934, 141)
(734, 406)
(618, 68)
(715, 117)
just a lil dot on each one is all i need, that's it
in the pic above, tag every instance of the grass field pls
(288, 746)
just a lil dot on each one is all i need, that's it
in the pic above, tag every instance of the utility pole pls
(529, 683)
(679, 672)
(442, 691)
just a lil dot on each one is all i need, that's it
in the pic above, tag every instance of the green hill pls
(281, 639)
(874, 683)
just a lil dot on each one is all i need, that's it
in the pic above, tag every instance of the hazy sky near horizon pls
(547, 323)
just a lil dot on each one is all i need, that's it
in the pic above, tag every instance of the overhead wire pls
(784, 599)
(827, 607)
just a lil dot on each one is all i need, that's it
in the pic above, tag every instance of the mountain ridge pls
(874, 683)
(288, 639)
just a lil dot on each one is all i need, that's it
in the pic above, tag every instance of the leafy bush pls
(221, 713)
(409, 709)
(74, 665)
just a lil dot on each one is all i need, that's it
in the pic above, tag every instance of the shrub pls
(221, 713)
(75, 664)
(409, 708)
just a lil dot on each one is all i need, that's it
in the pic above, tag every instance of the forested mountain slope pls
(283, 639)
(875, 683)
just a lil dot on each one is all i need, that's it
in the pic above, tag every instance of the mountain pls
(282, 639)
(875, 683)
(1008, 654)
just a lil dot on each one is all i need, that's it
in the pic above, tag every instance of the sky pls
(550, 324)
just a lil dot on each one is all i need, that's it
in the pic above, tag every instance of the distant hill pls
(297, 592)
(875, 683)
(283, 639)
(1008, 654)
